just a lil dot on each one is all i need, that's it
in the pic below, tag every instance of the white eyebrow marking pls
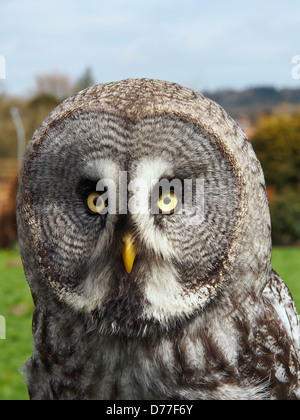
(101, 168)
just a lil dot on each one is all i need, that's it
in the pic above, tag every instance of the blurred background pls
(244, 55)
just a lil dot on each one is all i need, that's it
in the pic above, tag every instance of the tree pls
(276, 141)
(55, 84)
(85, 81)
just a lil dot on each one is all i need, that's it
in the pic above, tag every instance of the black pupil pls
(95, 201)
(167, 200)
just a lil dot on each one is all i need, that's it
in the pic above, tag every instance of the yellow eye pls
(167, 202)
(95, 203)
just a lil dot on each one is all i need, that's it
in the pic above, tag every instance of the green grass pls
(286, 261)
(16, 306)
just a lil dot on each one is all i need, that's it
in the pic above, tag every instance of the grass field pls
(16, 306)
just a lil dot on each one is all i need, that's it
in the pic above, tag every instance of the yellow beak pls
(128, 252)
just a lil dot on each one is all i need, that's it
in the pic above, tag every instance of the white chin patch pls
(165, 296)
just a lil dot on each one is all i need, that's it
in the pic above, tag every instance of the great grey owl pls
(144, 291)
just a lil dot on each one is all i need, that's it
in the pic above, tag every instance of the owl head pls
(141, 204)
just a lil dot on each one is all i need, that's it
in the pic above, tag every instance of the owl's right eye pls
(95, 203)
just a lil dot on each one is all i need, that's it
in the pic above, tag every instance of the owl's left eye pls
(95, 203)
(167, 202)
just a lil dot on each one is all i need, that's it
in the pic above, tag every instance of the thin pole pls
(20, 133)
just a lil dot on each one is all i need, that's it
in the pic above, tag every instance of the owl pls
(145, 236)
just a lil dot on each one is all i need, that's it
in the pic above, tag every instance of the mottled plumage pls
(202, 315)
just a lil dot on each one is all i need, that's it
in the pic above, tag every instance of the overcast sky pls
(207, 44)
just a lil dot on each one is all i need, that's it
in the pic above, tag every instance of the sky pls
(205, 45)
